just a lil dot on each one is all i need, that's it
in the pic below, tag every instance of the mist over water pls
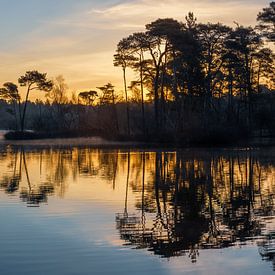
(73, 210)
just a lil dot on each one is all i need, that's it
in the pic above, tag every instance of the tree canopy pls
(266, 20)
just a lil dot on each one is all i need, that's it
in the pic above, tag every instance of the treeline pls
(207, 80)
(194, 83)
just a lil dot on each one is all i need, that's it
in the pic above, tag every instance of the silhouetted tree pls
(245, 43)
(265, 68)
(212, 39)
(10, 93)
(58, 93)
(123, 58)
(88, 98)
(109, 98)
(266, 19)
(33, 80)
(159, 46)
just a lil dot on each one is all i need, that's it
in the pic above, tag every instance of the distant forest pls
(193, 83)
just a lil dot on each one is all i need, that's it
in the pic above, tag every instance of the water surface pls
(83, 210)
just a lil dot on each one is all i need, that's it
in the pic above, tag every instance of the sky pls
(77, 38)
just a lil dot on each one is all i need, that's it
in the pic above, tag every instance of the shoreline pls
(100, 143)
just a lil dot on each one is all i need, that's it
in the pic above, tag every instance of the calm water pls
(90, 211)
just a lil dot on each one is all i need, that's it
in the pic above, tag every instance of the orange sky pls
(78, 40)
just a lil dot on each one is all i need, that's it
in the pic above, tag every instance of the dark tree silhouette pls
(33, 80)
(10, 93)
(245, 43)
(266, 20)
(88, 98)
(160, 32)
(123, 58)
(109, 98)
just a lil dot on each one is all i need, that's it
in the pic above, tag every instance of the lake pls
(82, 210)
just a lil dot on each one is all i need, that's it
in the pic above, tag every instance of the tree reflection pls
(31, 194)
(267, 248)
(200, 203)
(10, 183)
(184, 201)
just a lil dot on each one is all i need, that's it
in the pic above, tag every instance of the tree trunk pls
(24, 110)
(156, 99)
(142, 93)
(127, 103)
(249, 92)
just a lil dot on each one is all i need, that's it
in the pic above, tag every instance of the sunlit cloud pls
(141, 10)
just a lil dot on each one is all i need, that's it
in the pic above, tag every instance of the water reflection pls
(267, 248)
(212, 202)
(184, 201)
(31, 194)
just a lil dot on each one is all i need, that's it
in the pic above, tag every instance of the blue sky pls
(77, 38)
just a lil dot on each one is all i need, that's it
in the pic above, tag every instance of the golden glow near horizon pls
(79, 44)
(102, 175)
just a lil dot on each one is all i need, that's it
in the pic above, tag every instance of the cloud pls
(207, 10)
